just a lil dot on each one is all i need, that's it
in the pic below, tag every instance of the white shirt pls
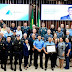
(28, 46)
(19, 33)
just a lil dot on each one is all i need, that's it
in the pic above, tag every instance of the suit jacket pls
(25, 50)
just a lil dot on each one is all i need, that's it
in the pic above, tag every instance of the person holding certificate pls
(38, 46)
(47, 55)
(61, 52)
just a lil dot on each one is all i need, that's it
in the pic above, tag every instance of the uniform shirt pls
(19, 33)
(38, 44)
(25, 29)
(70, 32)
(68, 46)
(12, 29)
(47, 36)
(59, 34)
(36, 35)
(48, 43)
(8, 46)
(18, 46)
(42, 31)
(8, 34)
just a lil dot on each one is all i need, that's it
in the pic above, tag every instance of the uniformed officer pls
(3, 55)
(9, 49)
(17, 50)
(13, 37)
(67, 52)
(59, 33)
(31, 40)
(25, 28)
(47, 55)
(48, 35)
(43, 30)
(34, 32)
(38, 46)
(1, 48)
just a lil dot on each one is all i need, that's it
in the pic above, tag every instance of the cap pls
(18, 35)
(14, 30)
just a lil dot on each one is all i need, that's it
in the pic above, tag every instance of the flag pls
(32, 19)
(38, 19)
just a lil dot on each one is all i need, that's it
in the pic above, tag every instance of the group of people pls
(22, 42)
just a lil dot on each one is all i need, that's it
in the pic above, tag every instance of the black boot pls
(5, 67)
(15, 68)
(20, 68)
(2, 66)
(11, 67)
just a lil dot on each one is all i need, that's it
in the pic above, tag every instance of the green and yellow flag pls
(38, 19)
(32, 19)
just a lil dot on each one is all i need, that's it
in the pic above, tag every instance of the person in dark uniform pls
(12, 28)
(26, 48)
(13, 37)
(47, 55)
(9, 49)
(38, 46)
(17, 50)
(34, 32)
(31, 40)
(3, 55)
(68, 17)
(43, 30)
(67, 52)
(25, 29)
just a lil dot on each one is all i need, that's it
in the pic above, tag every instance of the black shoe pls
(4, 69)
(11, 68)
(41, 67)
(30, 65)
(14, 69)
(36, 67)
(20, 69)
(45, 69)
(52, 69)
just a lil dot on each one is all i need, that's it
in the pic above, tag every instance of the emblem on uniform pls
(45, 29)
(66, 45)
(19, 42)
(3, 44)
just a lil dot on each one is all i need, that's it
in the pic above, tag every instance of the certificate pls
(51, 48)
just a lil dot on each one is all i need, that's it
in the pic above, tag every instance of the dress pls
(61, 50)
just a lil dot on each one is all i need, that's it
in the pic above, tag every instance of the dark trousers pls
(11, 57)
(67, 62)
(18, 55)
(36, 53)
(52, 58)
(30, 54)
(4, 58)
(25, 61)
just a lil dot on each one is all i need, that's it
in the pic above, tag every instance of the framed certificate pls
(51, 48)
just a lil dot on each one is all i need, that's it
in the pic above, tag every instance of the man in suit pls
(69, 16)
